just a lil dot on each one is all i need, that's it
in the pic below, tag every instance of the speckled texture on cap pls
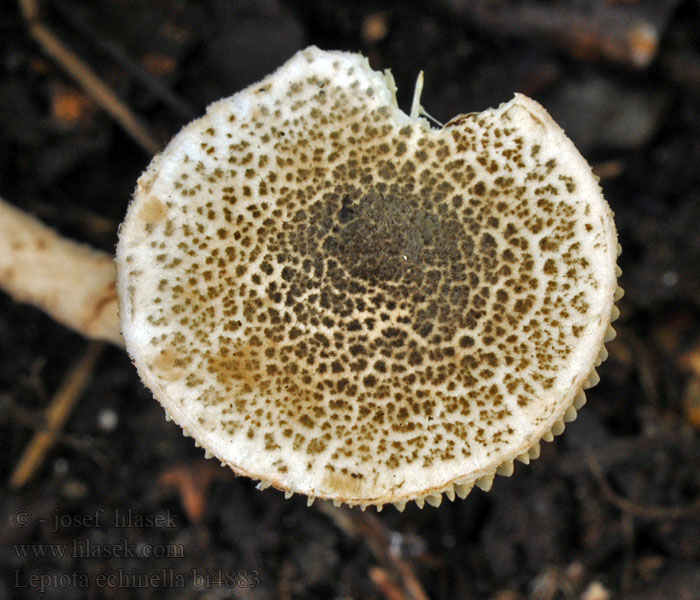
(344, 302)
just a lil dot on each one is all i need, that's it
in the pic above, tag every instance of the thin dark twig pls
(628, 564)
(645, 367)
(642, 511)
(88, 445)
(87, 79)
(112, 49)
(613, 452)
(370, 528)
(56, 414)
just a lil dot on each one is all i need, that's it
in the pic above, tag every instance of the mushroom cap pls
(338, 300)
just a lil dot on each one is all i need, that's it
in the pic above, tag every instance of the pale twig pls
(56, 414)
(86, 78)
(385, 584)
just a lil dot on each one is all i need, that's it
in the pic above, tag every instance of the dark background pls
(611, 508)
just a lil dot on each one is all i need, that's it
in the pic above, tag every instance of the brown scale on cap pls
(339, 300)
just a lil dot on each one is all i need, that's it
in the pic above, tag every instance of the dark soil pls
(611, 508)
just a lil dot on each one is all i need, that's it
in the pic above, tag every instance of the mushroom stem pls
(72, 282)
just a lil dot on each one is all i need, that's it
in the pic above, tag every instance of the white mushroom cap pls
(339, 300)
